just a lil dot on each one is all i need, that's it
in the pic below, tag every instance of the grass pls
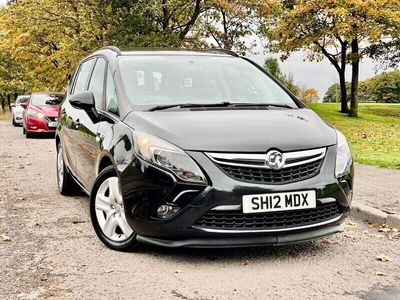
(374, 136)
(5, 116)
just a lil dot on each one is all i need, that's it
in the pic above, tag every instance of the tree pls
(335, 29)
(228, 22)
(333, 93)
(310, 96)
(272, 66)
(383, 88)
(50, 37)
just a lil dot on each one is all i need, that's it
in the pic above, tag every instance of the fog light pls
(167, 211)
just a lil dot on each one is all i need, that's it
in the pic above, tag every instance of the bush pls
(383, 88)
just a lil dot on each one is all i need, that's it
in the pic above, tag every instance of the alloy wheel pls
(60, 168)
(110, 213)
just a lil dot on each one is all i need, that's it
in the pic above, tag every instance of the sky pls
(318, 75)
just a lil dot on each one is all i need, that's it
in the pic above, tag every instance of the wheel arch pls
(104, 162)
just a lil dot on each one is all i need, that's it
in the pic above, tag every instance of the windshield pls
(21, 99)
(168, 80)
(44, 99)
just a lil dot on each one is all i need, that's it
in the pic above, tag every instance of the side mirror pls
(24, 105)
(12, 105)
(83, 100)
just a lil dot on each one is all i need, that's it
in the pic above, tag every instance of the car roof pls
(48, 93)
(167, 51)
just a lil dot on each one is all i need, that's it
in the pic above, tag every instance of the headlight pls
(343, 156)
(166, 155)
(35, 114)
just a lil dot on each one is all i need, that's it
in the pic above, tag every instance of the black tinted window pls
(83, 76)
(111, 95)
(96, 85)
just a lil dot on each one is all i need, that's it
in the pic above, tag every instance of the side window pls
(111, 95)
(83, 76)
(96, 85)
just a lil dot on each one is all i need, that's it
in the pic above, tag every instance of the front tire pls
(108, 214)
(13, 121)
(66, 184)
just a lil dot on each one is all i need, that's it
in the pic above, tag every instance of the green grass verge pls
(5, 116)
(374, 137)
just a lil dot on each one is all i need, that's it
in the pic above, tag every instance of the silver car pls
(17, 109)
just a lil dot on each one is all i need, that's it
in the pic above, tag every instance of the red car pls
(41, 113)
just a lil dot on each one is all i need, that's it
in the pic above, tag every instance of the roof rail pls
(112, 48)
(222, 51)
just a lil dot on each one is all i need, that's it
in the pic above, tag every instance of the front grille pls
(237, 220)
(269, 176)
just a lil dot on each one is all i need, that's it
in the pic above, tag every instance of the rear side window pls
(83, 76)
(96, 85)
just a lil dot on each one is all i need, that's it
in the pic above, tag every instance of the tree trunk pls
(3, 105)
(342, 79)
(343, 92)
(354, 78)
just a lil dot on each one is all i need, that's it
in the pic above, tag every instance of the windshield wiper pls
(189, 105)
(218, 104)
(263, 105)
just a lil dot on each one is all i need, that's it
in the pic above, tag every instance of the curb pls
(373, 215)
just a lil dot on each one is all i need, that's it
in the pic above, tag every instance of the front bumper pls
(266, 240)
(38, 126)
(18, 118)
(146, 187)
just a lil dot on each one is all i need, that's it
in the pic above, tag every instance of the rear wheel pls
(66, 184)
(108, 214)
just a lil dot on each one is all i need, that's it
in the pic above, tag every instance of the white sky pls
(318, 75)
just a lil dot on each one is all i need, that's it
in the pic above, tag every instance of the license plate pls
(278, 202)
(52, 124)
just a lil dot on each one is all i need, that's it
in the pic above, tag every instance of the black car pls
(198, 149)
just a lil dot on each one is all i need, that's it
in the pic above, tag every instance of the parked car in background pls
(41, 113)
(198, 149)
(17, 109)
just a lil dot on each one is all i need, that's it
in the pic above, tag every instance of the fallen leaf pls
(4, 238)
(108, 271)
(350, 236)
(351, 223)
(245, 263)
(384, 229)
(119, 284)
(383, 257)
(330, 242)
(379, 273)
(178, 271)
